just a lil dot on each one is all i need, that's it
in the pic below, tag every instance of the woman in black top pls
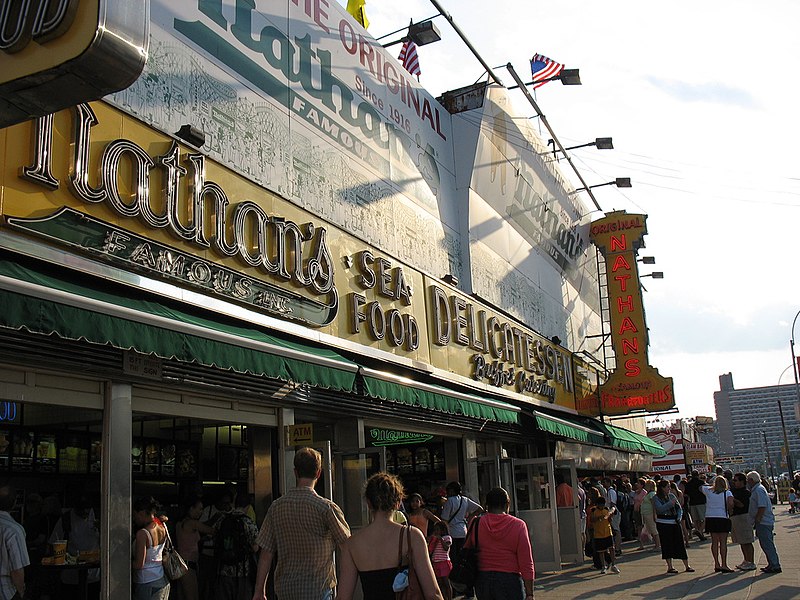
(379, 551)
(741, 527)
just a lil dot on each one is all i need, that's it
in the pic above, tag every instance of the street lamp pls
(797, 392)
(769, 459)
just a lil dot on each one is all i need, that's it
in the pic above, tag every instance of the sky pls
(701, 99)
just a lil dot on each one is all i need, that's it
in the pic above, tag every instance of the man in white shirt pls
(457, 513)
(13, 551)
(763, 521)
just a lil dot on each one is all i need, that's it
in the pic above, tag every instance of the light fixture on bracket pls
(566, 77)
(191, 135)
(421, 33)
(603, 143)
(654, 275)
(623, 182)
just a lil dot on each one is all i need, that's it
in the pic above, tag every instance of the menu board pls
(168, 459)
(23, 449)
(186, 462)
(46, 453)
(151, 456)
(5, 447)
(137, 458)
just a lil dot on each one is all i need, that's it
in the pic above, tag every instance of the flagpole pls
(539, 112)
(463, 37)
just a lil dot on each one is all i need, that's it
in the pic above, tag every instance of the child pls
(418, 515)
(600, 520)
(439, 551)
(793, 502)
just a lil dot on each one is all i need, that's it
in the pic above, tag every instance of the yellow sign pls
(300, 435)
(97, 183)
(634, 385)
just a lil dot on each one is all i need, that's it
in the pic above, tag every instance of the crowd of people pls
(409, 544)
(669, 512)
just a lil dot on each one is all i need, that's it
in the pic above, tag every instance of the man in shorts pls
(697, 503)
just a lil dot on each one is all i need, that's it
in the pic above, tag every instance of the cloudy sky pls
(701, 99)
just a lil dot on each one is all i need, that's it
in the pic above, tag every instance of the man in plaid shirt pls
(303, 529)
(13, 551)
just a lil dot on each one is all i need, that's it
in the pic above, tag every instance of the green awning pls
(53, 304)
(629, 440)
(568, 428)
(406, 391)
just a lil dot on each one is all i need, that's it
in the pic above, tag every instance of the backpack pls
(231, 544)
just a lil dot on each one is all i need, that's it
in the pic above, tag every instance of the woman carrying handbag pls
(390, 560)
(149, 581)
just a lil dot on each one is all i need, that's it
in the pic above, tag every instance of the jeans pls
(495, 585)
(154, 590)
(765, 536)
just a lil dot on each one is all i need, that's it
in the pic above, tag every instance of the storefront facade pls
(316, 265)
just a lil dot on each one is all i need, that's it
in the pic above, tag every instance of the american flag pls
(408, 57)
(544, 68)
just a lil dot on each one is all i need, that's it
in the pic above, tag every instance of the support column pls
(116, 488)
(286, 459)
(471, 468)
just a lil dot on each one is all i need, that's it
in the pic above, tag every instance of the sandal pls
(672, 570)
(689, 570)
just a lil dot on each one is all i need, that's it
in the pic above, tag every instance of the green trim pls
(565, 427)
(49, 317)
(630, 441)
(439, 400)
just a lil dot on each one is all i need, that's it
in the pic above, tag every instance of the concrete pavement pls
(643, 573)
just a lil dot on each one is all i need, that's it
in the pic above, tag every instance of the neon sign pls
(8, 411)
(634, 384)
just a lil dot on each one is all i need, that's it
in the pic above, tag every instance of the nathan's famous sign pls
(56, 53)
(634, 385)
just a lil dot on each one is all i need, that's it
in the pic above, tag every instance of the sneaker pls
(614, 569)
(603, 571)
(748, 566)
(771, 570)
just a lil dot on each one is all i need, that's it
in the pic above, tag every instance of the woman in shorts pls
(719, 505)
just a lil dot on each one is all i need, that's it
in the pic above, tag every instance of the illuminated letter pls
(627, 325)
(620, 261)
(632, 368)
(619, 243)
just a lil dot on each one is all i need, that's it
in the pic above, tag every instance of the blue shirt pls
(759, 498)
(13, 553)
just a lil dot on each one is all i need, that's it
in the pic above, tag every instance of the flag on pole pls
(408, 58)
(356, 8)
(544, 68)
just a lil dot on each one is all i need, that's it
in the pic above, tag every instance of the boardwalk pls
(643, 573)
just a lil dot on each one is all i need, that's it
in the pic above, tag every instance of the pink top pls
(186, 542)
(504, 545)
(438, 548)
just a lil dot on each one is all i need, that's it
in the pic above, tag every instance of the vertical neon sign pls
(634, 384)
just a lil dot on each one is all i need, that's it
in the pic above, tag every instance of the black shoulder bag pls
(465, 567)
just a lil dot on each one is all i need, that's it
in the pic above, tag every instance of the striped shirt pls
(438, 548)
(13, 553)
(303, 529)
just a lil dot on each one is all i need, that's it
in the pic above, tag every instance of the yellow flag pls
(356, 8)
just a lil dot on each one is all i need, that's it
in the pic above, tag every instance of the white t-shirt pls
(455, 517)
(715, 503)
